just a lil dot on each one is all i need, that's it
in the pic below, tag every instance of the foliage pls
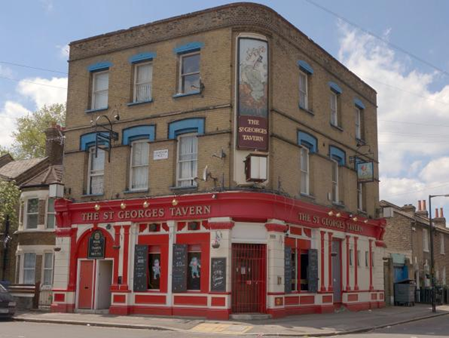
(4, 150)
(29, 139)
(9, 200)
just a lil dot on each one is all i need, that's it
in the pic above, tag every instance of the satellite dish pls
(205, 173)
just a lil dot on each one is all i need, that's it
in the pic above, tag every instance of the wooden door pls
(86, 285)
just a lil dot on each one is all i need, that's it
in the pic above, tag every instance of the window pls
(48, 269)
(358, 124)
(32, 213)
(100, 85)
(304, 280)
(425, 238)
(189, 79)
(360, 196)
(358, 258)
(29, 268)
(335, 181)
(366, 258)
(187, 160)
(442, 244)
(303, 90)
(334, 108)
(155, 266)
(304, 170)
(139, 165)
(294, 270)
(95, 177)
(143, 77)
(194, 270)
(351, 263)
(51, 213)
(372, 259)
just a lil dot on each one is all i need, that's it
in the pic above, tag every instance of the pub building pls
(217, 163)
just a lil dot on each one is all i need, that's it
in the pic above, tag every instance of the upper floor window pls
(139, 165)
(334, 109)
(95, 174)
(360, 196)
(189, 74)
(51, 213)
(359, 123)
(304, 158)
(425, 238)
(32, 213)
(335, 198)
(100, 88)
(303, 91)
(143, 78)
(187, 160)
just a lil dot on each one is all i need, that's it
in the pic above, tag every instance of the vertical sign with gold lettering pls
(252, 102)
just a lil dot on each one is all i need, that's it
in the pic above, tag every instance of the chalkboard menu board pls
(288, 269)
(96, 245)
(140, 267)
(218, 275)
(179, 273)
(312, 271)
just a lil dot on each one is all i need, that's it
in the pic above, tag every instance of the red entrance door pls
(248, 278)
(85, 300)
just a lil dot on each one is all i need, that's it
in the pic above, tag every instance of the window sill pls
(34, 230)
(92, 195)
(307, 110)
(362, 212)
(138, 103)
(336, 127)
(187, 94)
(136, 191)
(89, 111)
(189, 188)
(338, 205)
(307, 196)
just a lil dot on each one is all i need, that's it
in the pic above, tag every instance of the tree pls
(29, 139)
(4, 150)
(9, 200)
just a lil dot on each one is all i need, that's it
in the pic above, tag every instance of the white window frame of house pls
(303, 92)
(96, 93)
(94, 173)
(358, 123)
(47, 270)
(360, 196)
(134, 167)
(305, 177)
(181, 89)
(179, 178)
(138, 85)
(442, 249)
(366, 259)
(425, 238)
(334, 108)
(358, 258)
(50, 214)
(27, 213)
(334, 181)
(32, 268)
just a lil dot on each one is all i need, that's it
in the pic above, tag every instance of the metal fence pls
(424, 296)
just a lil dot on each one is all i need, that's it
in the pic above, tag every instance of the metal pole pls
(432, 263)
(5, 247)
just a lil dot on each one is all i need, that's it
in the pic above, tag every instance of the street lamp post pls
(432, 260)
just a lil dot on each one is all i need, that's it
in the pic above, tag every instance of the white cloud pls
(11, 110)
(43, 91)
(413, 154)
(64, 51)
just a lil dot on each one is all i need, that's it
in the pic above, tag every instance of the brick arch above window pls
(193, 125)
(88, 140)
(338, 155)
(307, 140)
(189, 47)
(304, 66)
(145, 56)
(99, 66)
(359, 103)
(335, 87)
(138, 133)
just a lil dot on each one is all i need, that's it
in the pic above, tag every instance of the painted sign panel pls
(179, 273)
(140, 267)
(312, 271)
(218, 275)
(96, 245)
(252, 105)
(161, 154)
(288, 269)
(365, 172)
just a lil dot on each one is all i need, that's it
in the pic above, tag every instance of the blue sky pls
(412, 96)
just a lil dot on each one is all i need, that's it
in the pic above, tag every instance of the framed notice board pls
(140, 267)
(312, 271)
(288, 269)
(179, 272)
(218, 275)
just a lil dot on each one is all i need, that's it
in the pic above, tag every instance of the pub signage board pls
(365, 172)
(179, 272)
(218, 275)
(96, 246)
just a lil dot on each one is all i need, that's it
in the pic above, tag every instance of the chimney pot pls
(419, 205)
(436, 213)
(424, 205)
(441, 213)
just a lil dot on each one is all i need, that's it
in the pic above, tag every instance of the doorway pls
(248, 278)
(86, 282)
(336, 269)
(94, 284)
(103, 284)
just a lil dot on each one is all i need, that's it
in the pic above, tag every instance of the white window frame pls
(28, 268)
(442, 249)
(358, 123)
(136, 84)
(351, 257)
(46, 269)
(304, 186)
(97, 92)
(34, 213)
(181, 75)
(335, 173)
(93, 173)
(132, 166)
(178, 161)
(358, 258)
(48, 213)
(304, 91)
(425, 237)
(360, 205)
(334, 110)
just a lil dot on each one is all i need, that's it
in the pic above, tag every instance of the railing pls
(424, 296)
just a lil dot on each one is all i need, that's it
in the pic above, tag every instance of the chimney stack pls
(439, 219)
(54, 144)
(422, 211)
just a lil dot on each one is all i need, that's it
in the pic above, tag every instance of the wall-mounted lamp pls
(97, 207)
(355, 219)
(108, 226)
(338, 214)
(57, 249)
(146, 204)
(330, 213)
(174, 202)
(153, 226)
(214, 196)
(123, 206)
(217, 240)
(194, 225)
(365, 221)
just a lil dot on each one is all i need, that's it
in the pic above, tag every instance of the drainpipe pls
(5, 247)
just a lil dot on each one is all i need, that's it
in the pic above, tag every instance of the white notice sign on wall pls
(161, 154)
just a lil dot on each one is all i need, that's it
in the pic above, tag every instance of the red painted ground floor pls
(212, 255)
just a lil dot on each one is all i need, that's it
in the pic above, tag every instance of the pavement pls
(314, 325)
